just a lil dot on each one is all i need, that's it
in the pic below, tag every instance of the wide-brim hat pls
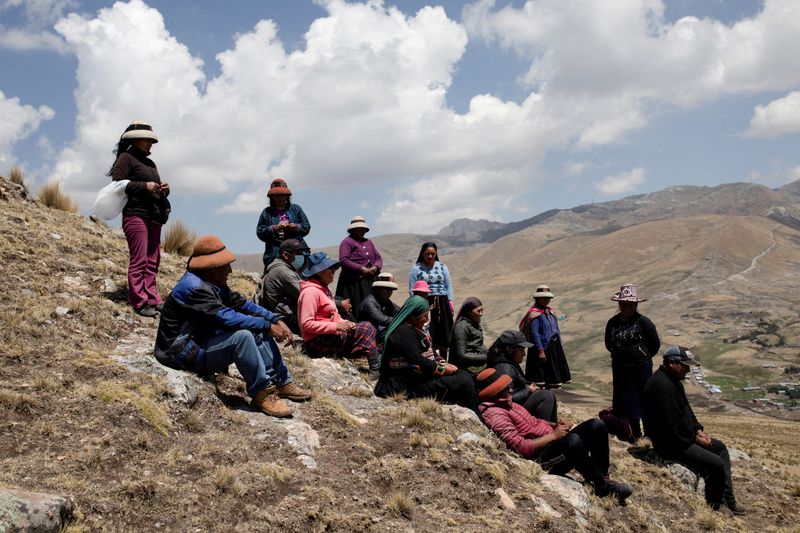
(543, 291)
(209, 252)
(358, 222)
(628, 293)
(421, 286)
(512, 337)
(317, 262)
(386, 280)
(139, 130)
(681, 355)
(490, 382)
(278, 187)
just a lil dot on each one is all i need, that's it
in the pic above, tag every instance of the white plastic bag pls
(110, 200)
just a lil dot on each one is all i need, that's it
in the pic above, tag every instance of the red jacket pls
(316, 310)
(515, 426)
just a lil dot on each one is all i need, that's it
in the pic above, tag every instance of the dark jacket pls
(631, 342)
(377, 313)
(195, 311)
(668, 418)
(466, 345)
(273, 237)
(133, 165)
(519, 385)
(280, 288)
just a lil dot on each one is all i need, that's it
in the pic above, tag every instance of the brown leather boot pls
(267, 401)
(293, 392)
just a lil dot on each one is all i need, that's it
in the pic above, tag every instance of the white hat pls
(358, 222)
(386, 280)
(543, 291)
(139, 129)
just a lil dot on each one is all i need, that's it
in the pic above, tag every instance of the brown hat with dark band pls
(491, 383)
(278, 186)
(209, 252)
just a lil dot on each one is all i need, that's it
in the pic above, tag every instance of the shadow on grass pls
(119, 296)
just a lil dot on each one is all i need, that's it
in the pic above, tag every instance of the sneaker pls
(146, 311)
(614, 488)
(293, 392)
(267, 402)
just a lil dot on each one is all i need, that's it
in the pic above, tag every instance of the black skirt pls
(554, 371)
(441, 326)
(355, 290)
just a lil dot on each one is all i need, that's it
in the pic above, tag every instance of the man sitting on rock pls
(378, 308)
(677, 435)
(205, 326)
(280, 286)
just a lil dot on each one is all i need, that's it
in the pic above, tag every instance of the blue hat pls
(317, 262)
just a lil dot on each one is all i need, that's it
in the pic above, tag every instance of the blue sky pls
(409, 113)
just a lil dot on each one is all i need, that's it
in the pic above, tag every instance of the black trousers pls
(542, 404)
(713, 464)
(585, 449)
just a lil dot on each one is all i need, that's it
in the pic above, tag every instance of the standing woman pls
(361, 263)
(632, 340)
(547, 364)
(146, 210)
(280, 220)
(429, 269)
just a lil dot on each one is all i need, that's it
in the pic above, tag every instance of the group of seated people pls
(205, 326)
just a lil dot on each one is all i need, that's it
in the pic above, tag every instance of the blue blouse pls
(437, 278)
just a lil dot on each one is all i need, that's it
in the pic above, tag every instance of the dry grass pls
(53, 197)
(16, 176)
(276, 472)
(178, 239)
(400, 505)
(336, 409)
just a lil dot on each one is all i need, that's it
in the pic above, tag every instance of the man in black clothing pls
(677, 435)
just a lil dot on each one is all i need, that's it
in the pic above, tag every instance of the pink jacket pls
(316, 310)
(515, 426)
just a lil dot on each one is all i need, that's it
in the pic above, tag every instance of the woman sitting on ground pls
(557, 447)
(410, 366)
(325, 333)
(378, 308)
(505, 356)
(467, 351)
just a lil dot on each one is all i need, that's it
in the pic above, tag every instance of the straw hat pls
(209, 252)
(386, 280)
(543, 291)
(358, 222)
(139, 129)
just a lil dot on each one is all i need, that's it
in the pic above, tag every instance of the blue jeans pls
(258, 359)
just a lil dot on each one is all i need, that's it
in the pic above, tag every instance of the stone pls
(301, 437)
(61, 311)
(468, 437)
(56, 236)
(738, 455)
(688, 478)
(461, 414)
(505, 500)
(109, 285)
(333, 375)
(73, 281)
(34, 511)
(544, 508)
(307, 461)
(569, 490)
(182, 386)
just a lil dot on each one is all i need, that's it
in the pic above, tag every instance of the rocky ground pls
(86, 414)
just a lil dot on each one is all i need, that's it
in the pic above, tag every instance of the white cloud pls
(17, 121)
(621, 183)
(573, 168)
(779, 117)
(36, 34)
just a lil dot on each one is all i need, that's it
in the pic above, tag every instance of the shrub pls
(178, 239)
(17, 177)
(52, 196)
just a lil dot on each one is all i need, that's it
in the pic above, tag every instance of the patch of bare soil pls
(74, 421)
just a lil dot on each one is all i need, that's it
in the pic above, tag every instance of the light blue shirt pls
(437, 278)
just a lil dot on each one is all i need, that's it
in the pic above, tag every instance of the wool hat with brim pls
(681, 355)
(292, 245)
(543, 291)
(278, 187)
(139, 130)
(317, 262)
(358, 223)
(421, 286)
(628, 293)
(385, 280)
(490, 383)
(511, 337)
(209, 252)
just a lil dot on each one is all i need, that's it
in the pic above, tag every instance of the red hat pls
(278, 186)
(209, 252)
(491, 383)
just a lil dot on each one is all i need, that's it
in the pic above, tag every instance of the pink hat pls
(421, 286)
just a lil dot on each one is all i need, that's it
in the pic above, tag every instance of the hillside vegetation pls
(75, 421)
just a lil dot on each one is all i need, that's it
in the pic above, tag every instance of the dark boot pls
(619, 490)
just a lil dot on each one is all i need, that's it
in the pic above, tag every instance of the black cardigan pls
(668, 418)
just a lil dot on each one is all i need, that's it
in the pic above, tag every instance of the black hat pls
(681, 355)
(514, 338)
(292, 245)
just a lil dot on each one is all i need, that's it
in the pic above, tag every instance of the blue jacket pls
(195, 311)
(544, 328)
(272, 239)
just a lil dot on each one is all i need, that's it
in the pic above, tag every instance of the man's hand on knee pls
(280, 331)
